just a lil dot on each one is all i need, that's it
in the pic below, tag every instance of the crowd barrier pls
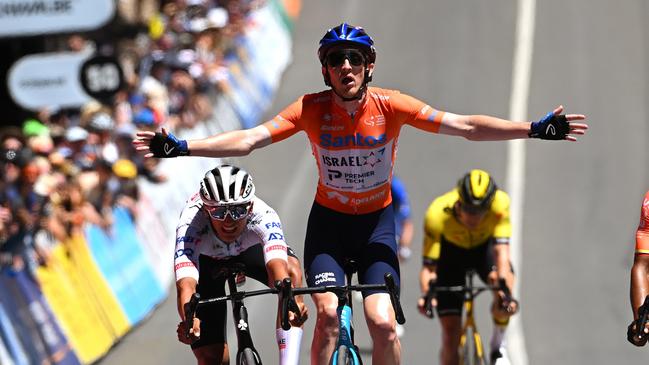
(100, 284)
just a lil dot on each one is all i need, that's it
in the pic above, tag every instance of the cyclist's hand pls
(298, 320)
(162, 144)
(557, 126)
(631, 334)
(194, 332)
(421, 305)
(506, 306)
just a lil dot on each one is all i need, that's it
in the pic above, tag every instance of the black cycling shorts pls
(214, 316)
(452, 266)
(332, 237)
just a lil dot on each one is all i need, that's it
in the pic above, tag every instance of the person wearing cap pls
(76, 149)
(127, 194)
(100, 141)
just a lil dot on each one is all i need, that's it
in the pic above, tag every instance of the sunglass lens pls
(218, 212)
(355, 58)
(239, 211)
(335, 59)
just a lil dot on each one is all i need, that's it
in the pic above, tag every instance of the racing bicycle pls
(246, 352)
(471, 347)
(346, 352)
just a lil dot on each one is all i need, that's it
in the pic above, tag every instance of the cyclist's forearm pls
(502, 259)
(427, 273)
(277, 270)
(230, 144)
(639, 282)
(407, 233)
(483, 127)
(184, 289)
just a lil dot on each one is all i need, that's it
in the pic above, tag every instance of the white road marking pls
(516, 160)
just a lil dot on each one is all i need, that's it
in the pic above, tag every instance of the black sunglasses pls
(337, 58)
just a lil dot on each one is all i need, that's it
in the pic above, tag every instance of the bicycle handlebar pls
(474, 290)
(287, 294)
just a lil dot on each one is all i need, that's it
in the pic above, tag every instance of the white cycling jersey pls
(195, 236)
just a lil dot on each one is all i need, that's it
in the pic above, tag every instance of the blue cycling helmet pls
(350, 35)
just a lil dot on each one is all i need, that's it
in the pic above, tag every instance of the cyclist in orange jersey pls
(353, 130)
(640, 273)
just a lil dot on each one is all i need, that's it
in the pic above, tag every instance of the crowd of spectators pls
(63, 168)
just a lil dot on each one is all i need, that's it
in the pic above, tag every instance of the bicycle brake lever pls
(394, 298)
(286, 296)
(428, 298)
(190, 312)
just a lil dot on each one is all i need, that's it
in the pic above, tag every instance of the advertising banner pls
(96, 289)
(14, 350)
(60, 283)
(123, 263)
(32, 17)
(56, 345)
(18, 311)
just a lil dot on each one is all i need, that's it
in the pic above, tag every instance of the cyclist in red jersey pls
(353, 130)
(640, 273)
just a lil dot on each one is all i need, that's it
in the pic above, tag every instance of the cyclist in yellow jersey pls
(468, 228)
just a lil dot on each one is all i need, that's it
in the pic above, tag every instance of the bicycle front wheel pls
(343, 357)
(248, 357)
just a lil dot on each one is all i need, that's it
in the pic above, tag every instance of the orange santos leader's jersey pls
(354, 155)
(642, 234)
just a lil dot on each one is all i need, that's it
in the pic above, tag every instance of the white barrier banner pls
(31, 17)
(48, 79)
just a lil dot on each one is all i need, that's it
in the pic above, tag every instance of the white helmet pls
(227, 185)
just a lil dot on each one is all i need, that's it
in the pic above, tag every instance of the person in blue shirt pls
(403, 222)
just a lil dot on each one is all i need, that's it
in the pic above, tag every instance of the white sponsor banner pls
(29, 17)
(49, 79)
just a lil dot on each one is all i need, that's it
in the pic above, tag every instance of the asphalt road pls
(581, 200)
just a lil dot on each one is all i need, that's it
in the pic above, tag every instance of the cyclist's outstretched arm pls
(487, 128)
(228, 144)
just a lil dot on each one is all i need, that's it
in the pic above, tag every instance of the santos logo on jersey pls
(327, 140)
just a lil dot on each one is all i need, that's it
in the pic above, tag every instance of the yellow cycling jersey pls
(440, 224)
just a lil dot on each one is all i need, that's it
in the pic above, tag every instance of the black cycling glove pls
(631, 335)
(169, 146)
(554, 127)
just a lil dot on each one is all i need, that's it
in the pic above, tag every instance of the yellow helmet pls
(476, 190)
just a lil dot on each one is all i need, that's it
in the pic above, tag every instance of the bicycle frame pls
(345, 343)
(469, 328)
(239, 313)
